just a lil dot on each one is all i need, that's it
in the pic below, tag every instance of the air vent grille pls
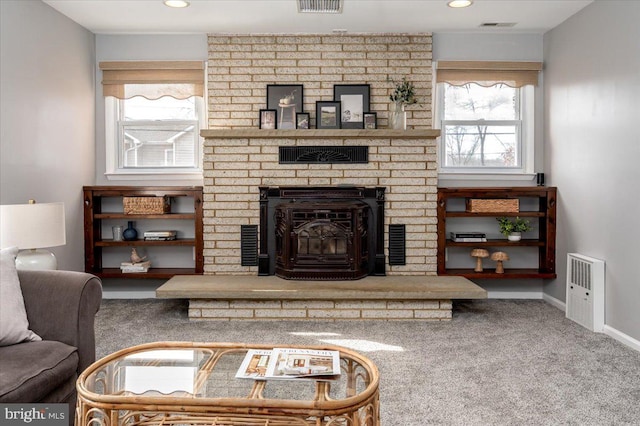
(397, 245)
(498, 24)
(249, 245)
(320, 6)
(323, 154)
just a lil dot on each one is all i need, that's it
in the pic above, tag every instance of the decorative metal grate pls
(320, 6)
(323, 154)
(397, 245)
(249, 245)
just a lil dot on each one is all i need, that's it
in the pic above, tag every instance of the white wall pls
(592, 92)
(140, 48)
(47, 114)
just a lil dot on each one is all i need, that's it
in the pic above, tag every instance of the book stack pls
(468, 237)
(160, 235)
(130, 267)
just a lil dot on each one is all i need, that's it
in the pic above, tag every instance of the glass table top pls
(209, 372)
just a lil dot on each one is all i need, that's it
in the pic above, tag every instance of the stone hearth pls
(424, 298)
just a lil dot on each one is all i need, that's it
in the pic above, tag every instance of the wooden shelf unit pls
(545, 243)
(94, 241)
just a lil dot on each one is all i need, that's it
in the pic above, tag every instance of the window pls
(481, 126)
(486, 118)
(161, 133)
(153, 112)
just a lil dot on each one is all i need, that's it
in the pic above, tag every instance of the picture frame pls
(287, 100)
(268, 119)
(328, 114)
(303, 120)
(370, 120)
(355, 100)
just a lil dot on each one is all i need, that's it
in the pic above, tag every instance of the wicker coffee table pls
(176, 383)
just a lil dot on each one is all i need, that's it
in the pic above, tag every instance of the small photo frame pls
(327, 114)
(268, 119)
(287, 100)
(355, 102)
(302, 120)
(370, 120)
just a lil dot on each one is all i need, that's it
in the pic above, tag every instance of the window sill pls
(487, 176)
(138, 175)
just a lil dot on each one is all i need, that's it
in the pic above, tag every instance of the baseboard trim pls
(622, 338)
(492, 294)
(557, 303)
(609, 331)
(136, 294)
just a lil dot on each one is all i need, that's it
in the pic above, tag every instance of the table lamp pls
(31, 227)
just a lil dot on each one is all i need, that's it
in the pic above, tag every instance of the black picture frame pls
(370, 120)
(355, 100)
(292, 97)
(328, 114)
(303, 120)
(268, 119)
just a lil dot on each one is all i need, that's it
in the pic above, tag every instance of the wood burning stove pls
(321, 233)
(322, 240)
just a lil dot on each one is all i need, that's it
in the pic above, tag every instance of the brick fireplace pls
(239, 159)
(239, 162)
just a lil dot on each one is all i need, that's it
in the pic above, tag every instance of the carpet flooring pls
(498, 362)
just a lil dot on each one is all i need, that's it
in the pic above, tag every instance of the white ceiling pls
(281, 16)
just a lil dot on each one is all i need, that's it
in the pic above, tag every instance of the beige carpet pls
(496, 363)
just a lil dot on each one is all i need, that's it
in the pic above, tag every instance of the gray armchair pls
(61, 307)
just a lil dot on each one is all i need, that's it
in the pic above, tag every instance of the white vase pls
(514, 236)
(397, 117)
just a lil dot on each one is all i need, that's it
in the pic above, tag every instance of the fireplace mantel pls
(321, 133)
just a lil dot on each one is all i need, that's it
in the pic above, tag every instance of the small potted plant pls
(513, 228)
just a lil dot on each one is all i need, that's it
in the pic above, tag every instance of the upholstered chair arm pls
(61, 306)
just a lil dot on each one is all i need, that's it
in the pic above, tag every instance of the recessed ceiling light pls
(176, 3)
(460, 3)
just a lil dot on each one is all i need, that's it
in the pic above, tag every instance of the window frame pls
(526, 141)
(113, 150)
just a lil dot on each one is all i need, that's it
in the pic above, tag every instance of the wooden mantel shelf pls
(320, 133)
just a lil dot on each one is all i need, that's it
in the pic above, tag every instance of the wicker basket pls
(146, 205)
(493, 206)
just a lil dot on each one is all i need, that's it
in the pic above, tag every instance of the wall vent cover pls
(249, 245)
(320, 6)
(397, 245)
(585, 291)
(323, 154)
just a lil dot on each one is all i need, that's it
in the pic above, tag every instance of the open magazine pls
(289, 363)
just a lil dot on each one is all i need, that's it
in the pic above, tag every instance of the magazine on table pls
(254, 365)
(289, 363)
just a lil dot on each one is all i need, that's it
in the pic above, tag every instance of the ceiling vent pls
(498, 24)
(320, 6)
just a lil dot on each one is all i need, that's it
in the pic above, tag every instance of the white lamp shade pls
(32, 226)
